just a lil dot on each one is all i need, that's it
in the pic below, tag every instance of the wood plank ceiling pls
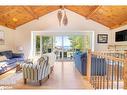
(109, 16)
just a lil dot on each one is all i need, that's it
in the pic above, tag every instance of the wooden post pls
(25, 80)
(125, 71)
(40, 82)
(89, 64)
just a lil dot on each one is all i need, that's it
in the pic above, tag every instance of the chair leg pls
(51, 69)
(25, 81)
(40, 82)
(48, 76)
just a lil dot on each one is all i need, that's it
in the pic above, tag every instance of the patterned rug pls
(11, 80)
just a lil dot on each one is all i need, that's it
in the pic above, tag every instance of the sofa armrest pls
(18, 55)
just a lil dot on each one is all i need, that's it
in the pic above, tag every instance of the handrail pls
(108, 51)
(108, 57)
(114, 68)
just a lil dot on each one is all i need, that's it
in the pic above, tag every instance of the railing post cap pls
(125, 51)
(89, 50)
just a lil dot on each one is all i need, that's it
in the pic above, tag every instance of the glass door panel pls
(47, 44)
(58, 47)
(63, 46)
(67, 49)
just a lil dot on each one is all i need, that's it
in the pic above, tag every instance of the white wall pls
(50, 23)
(9, 39)
(104, 46)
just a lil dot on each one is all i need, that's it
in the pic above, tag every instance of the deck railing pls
(107, 69)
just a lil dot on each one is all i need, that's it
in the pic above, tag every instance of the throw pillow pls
(3, 58)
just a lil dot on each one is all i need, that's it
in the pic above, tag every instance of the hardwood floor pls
(64, 76)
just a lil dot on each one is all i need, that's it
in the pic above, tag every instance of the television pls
(121, 36)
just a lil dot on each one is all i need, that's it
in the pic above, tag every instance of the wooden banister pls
(89, 64)
(125, 71)
(108, 57)
(108, 72)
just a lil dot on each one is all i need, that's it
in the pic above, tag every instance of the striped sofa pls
(36, 71)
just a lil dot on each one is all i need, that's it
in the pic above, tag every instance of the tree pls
(37, 43)
(77, 42)
(47, 43)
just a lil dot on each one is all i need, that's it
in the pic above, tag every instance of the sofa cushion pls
(8, 54)
(3, 64)
(19, 59)
(11, 61)
(18, 55)
(3, 58)
(1, 70)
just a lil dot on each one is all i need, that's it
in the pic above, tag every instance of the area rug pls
(12, 79)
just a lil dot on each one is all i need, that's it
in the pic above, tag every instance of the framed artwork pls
(102, 38)
(2, 37)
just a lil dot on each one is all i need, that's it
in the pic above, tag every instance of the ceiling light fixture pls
(15, 19)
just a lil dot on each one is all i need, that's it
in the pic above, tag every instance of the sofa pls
(81, 64)
(10, 63)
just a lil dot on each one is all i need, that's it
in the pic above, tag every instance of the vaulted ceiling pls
(109, 16)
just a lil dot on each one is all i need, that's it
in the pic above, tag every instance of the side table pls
(18, 67)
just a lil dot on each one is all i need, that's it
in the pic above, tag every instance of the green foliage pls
(47, 43)
(77, 42)
(37, 43)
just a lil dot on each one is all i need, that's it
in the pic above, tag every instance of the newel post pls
(125, 71)
(88, 74)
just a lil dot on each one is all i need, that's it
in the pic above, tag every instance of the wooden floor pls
(64, 76)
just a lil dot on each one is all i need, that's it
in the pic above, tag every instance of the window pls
(47, 44)
(37, 44)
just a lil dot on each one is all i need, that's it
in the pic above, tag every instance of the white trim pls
(49, 33)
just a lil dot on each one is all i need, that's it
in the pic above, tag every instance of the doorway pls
(63, 45)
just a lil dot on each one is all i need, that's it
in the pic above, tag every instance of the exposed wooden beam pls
(31, 12)
(94, 11)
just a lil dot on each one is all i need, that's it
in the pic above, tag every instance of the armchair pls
(36, 71)
(51, 61)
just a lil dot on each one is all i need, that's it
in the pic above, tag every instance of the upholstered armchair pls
(36, 71)
(51, 61)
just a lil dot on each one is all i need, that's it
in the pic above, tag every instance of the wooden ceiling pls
(14, 16)
(109, 16)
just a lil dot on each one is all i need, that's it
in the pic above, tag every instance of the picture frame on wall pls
(102, 38)
(2, 37)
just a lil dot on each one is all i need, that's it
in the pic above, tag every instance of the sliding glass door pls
(58, 43)
(63, 46)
